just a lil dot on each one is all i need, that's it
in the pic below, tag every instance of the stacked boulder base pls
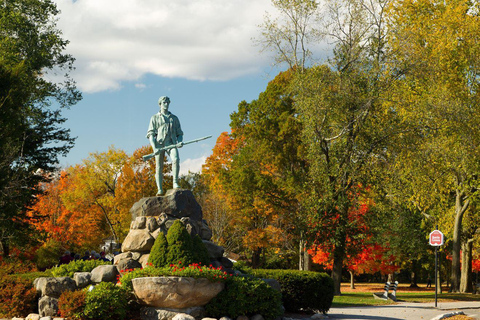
(153, 215)
(50, 288)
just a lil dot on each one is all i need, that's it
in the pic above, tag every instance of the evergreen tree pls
(180, 246)
(200, 252)
(31, 136)
(158, 254)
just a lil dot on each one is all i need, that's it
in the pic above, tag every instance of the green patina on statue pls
(164, 131)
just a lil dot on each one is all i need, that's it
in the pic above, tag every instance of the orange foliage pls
(220, 160)
(78, 228)
(79, 205)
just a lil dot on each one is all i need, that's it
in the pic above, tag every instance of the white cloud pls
(192, 165)
(118, 40)
(140, 86)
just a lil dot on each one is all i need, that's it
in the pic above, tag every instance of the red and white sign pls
(436, 238)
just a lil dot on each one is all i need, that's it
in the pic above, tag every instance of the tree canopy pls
(31, 134)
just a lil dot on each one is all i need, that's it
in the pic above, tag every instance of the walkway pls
(406, 310)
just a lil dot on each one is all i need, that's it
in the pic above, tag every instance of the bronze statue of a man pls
(164, 130)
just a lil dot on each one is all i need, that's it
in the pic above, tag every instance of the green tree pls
(31, 133)
(290, 34)
(440, 95)
(180, 245)
(266, 174)
(158, 254)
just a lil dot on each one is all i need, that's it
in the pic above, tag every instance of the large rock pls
(82, 279)
(122, 256)
(175, 292)
(214, 251)
(138, 240)
(183, 316)
(48, 306)
(104, 273)
(150, 313)
(127, 264)
(53, 287)
(144, 260)
(176, 203)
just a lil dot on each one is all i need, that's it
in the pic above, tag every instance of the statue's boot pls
(175, 173)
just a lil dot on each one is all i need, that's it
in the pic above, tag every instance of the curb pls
(448, 315)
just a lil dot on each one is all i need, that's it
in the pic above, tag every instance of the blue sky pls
(200, 53)
(128, 53)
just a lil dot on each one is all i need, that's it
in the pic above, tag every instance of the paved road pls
(406, 310)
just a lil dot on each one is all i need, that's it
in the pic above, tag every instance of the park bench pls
(385, 295)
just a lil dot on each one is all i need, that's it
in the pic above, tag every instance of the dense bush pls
(16, 265)
(301, 290)
(71, 304)
(158, 253)
(178, 247)
(246, 296)
(67, 270)
(18, 297)
(106, 301)
(200, 251)
(48, 255)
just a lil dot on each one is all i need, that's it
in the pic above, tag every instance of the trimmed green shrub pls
(246, 296)
(158, 253)
(18, 297)
(180, 247)
(67, 270)
(200, 252)
(301, 290)
(71, 304)
(106, 301)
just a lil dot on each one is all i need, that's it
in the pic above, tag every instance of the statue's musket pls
(151, 155)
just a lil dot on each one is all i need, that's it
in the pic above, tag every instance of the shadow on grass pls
(355, 299)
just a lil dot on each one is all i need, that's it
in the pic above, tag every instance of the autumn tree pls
(32, 136)
(214, 199)
(363, 254)
(263, 177)
(90, 201)
(346, 126)
(73, 223)
(440, 94)
(136, 181)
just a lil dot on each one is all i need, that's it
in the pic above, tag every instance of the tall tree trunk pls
(338, 256)
(352, 279)
(107, 219)
(304, 259)
(256, 258)
(460, 209)
(466, 278)
(414, 274)
(5, 248)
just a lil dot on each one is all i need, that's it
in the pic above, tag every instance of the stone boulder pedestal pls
(175, 292)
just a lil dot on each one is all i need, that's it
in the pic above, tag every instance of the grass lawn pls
(363, 295)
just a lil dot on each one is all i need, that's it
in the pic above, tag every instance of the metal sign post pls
(436, 239)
